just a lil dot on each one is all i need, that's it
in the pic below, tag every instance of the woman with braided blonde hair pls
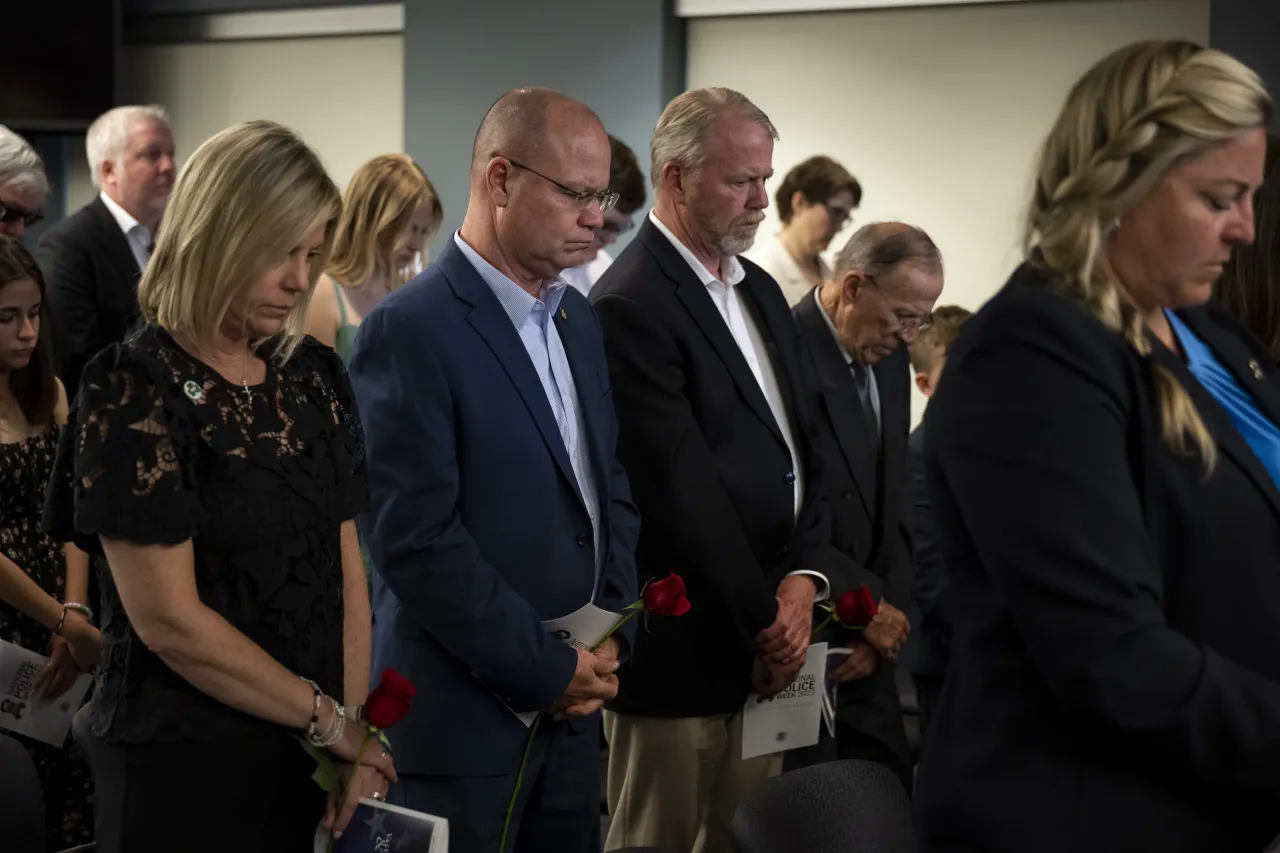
(1103, 461)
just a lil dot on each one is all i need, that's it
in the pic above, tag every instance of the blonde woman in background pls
(214, 463)
(389, 214)
(1103, 463)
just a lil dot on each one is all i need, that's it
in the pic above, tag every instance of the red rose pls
(389, 702)
(856, 607)
(666, 597)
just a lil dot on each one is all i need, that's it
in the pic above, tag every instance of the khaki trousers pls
(675, 783)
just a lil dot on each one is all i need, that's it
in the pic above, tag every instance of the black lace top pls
(160, 449)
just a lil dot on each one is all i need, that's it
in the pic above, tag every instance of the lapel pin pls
(1256, 368)
(563, 316)
(193, 391)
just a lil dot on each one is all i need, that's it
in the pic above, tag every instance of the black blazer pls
(865, 491)
(1115, 670)
(92, 280)
(709, 472)
(928, 647)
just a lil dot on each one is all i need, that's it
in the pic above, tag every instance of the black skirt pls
(251, 795)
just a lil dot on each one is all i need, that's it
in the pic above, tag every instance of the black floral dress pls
(25, 467)
(161, 449)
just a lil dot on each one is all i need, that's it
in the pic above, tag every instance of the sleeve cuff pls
(819, 581)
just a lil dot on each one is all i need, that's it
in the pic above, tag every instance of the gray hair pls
(109, 134)
(687, 123)
(20, 166)
(876, 248)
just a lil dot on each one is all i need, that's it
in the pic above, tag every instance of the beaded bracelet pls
(336, 728)
(83, 610)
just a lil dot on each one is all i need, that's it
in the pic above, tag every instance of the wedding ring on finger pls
(378, 795)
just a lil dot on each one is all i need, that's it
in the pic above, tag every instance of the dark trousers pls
(558, 809)
(252, 795)
(928, 691)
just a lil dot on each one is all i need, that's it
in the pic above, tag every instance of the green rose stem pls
(533, 729)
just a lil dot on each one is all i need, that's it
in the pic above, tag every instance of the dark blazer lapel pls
(841, 401)
(692, 293)
(1238, 358)
(1231, 442)
(493, 325)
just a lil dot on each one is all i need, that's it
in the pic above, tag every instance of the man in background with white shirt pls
(709, 382)
(625, 179)
(93, 259)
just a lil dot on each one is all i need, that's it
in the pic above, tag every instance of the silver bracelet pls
(336, 727)
(315, 709)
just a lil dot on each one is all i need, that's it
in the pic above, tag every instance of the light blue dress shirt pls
(1262, 435)
(533, 321)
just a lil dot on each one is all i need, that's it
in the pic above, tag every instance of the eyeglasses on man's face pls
(582, 198)
(908, 324)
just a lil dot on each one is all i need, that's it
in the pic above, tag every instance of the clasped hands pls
(593, 683)
(782, 645)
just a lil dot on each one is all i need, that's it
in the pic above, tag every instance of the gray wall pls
(1250, 31)
(623, 59)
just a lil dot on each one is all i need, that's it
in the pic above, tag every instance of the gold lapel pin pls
(564, 316)
(1256, 368)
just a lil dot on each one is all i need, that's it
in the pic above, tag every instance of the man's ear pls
(851, 283)
(925, 384)
(497, 180)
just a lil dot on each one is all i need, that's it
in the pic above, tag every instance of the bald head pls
(521, 122)
(538, 171)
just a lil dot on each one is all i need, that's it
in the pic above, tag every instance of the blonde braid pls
(1130, 119)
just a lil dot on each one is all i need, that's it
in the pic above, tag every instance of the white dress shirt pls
(746, 334)
(138, 235)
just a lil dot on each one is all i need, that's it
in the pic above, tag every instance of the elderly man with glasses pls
(496, 500)
(625, 179)
(23, 185)
(885, 282)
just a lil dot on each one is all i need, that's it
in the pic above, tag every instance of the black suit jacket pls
(1115, 669)
(929, 646)
(864, 487)
(709, 472)
(92, 280)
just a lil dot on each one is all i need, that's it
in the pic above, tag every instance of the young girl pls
(389, 213)
(37, 574)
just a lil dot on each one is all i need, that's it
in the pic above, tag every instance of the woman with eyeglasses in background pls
(625, 179)
(23, 185)
(816, 200)
(389, 213)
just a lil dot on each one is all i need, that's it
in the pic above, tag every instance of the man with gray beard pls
(709, 380)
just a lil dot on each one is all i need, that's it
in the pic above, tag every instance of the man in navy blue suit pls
(497, 499)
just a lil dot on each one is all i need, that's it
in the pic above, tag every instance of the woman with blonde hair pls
(1103, 466)
(214, 462)
(389, 213)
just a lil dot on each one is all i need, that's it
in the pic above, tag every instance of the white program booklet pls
(790, 719)
(378, 827)
(581, 629)
(22, 711)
